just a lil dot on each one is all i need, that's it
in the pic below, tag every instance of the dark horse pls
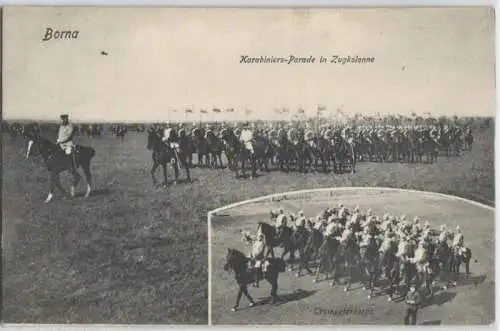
(291, 240)
(239, 155)
(121, 131)
(57, 161)
(244, 275)
(163, 154)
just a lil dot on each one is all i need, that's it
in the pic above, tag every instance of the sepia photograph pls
(248, 166)
(360, 175)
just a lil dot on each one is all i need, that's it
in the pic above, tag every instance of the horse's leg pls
(318, 269)
(274, 289)
(74, 183)
(243, 170)
(164, 167)
(238, 297)
(371, 282)
(336, 266)
(57, 181)
(291, 258)
(302, 261)
(153, 170)
(253, 163)
(51, 188)
(88, 178)
(467, 267)
(185, 164)
(219, 156)
(286, 251)
(176, 171)
(249, 297)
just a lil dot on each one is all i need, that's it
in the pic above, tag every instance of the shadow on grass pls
(298, 294)
(96, 192)
(439, 299)
(435, 322)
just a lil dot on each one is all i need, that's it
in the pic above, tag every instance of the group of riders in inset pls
(356, 245)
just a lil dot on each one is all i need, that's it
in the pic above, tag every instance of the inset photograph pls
(353, 256)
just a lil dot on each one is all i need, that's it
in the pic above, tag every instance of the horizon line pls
(140, 121)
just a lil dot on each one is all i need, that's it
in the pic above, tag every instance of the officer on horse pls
(257, 258)
(65, 140)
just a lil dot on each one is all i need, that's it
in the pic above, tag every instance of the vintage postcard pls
(360, 181)
(344, 158)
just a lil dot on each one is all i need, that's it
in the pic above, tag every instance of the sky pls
(161, 61)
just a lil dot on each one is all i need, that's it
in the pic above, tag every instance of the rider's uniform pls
(433, 134)
(346, 134)
(365, 239)
(328, 134)
(380, 133)
(292, 136)
(280, 221)
(308, 137)
(272, 134)
(257, 252)
(443, 236)
(346, 235)
(246, 138)
(168, 137)
(458, 239)
(420, 256)
(65, 138)
(330, 229)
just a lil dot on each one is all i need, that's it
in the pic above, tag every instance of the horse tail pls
(92, 152)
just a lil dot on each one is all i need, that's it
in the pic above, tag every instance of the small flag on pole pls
(203, 111)
(301, 111)
(216, 110)
(188, 110)
(286, 110)
(230, 110)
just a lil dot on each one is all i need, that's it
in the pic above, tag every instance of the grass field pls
(136, 254)
(129, 254)
(471, 302)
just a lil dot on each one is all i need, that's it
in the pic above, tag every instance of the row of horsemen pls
(411, 252)
(91, 130)
(379, 143)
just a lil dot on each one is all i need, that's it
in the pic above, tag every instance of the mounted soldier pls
(65, 140)
(347, 134)
(444, 235)
(247, 136)
(309, 137)
(208, 130)
(256, 258)
(458, 239)
(293, 135)
(300, 224)
(281, 221)
(434, 134)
